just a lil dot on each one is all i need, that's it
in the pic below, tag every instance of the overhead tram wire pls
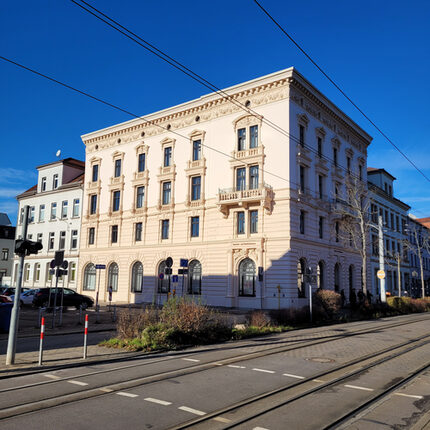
(195, 76)
(340, 89)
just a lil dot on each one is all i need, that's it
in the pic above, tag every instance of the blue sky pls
(377, 51)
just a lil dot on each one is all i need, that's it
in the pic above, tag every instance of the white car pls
(26, 297)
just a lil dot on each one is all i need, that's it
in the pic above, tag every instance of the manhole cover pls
(321, 360)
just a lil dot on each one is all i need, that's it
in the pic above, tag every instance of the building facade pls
(247, 203)
(7, 243)
(54, 220)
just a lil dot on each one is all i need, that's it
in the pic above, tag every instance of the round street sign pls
(65, 264)
(169, 262)
(52, 264)
(161, 276)
(380, 274)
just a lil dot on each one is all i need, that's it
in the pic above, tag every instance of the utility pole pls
(14, 321)
(381, 260)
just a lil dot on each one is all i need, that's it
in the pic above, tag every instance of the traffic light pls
(27, 247)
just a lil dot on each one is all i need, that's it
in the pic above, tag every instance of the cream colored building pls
(247, 202)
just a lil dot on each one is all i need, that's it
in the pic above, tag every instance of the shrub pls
(288, 316)
(327, 304)
(257, 319)
(131, 322)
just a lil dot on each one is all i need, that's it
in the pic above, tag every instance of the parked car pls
(70, 298)
(9, 291)
(26, 297)
(5, 299)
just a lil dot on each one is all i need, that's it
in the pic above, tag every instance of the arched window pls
(337, 277)
(194, 277)
(90, 277)
(136, 277)
(113, 277)
(320, 274)
(247, 278)
(351, 278)
(301, 271)
(163, 284)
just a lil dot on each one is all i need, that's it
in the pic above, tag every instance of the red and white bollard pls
(85, 336)
(42, 332)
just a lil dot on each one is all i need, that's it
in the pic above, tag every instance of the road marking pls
(160, 402)
(106, 390)
(236, 367)
(191, 410)
(52, 376)
(219, 364)
(293, 376)
(263, 370)
(259, 428)
(122, 393)
(191, 359)
(409, 395)
(317, 380)
(221, 420)
(356, 387)
(77, 382)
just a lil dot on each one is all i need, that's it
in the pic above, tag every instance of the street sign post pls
(100, 267)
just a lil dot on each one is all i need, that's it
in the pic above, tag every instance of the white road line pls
(259, 428)
(122, 393)
(52, 376)
(160, 402)
(293, 376)
(191, 359)
(221, 420)
(106, 390)
(236, 367)
(263, 370)
(317, 380)
(77, 383)
(219, 364)
(409, 395)
(356, 387)
(191, 410)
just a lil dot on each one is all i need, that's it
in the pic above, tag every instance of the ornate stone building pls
(243, 192)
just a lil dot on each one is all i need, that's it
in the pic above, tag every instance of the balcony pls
(251, 153)
(230, 197)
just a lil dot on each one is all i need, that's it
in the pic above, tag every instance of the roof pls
(374, 170)
(4, 219)
(424, 221)
(73, 162)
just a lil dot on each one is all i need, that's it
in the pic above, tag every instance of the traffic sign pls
(161, 276)
(59, 257)
(65, 264)
(175, 278)
(52, 264)
(182, 271)
(380, 274)
(100, 266)
(169, 261)
(183, 262)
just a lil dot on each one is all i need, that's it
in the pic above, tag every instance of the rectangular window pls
(253, 132)
(253, 221)
(91, 235)
(335, 156)
(55, 182)
(197, 152)
(138, 232)
(321, 227)
(348, 164)
(116, 198)
(397, 223)
(53, 210)
(302, 135)
(5, 254)
(117, 172)
(240, 179)
(21, 217)
(167, 193)
(253, 177)
(43, 184)
(241, 139)
(31, 217)
(76, 207)
(386, 219)
(336, 228)
(165, 229)
(51, 240)
(114, 234)
(392, 220)
(39, 237)
(72, 272)
(241, 223)
(64, 206)
(319, 144)
(140, 197)
(302, 222)
(74, 239)
(320, 187)
(62, 242)
(95, 173)
(195, 221)
(360, 172)
(41, 213)
(302, 179)
(195, 187)
(93, 204)
(167, 156)
(141, 163)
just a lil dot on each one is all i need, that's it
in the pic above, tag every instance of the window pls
(64, 209)
(335, 156)
(194, 277)
(74, 239)
(241, 179)
(53, 210)
(336, 228)
(302, 222)
(397, 223)
(302, 135)
(197, 151)
(41, 213)
(72, 272)
(301, 271)
(93, 204)
(113, 276)
(117, 171)
(95, 176)
(21, 217)
(321, 227)
(49, 273)
(26, 272)
(392, 220)
(5, 254)
(247, 278)
(116, 198)
(241, 139)
(36, 276)
(43, 184)
(319, 145)
(163, 284)
(164, 229)
(348, 164)
(253, 134)
(167, 192)
(140, 197)
(240, 222)
(55, 182)
(360, 172)
(39, 237)
(320, 275)
(195, 187)
(75, 208)
(337, 277)
(51, 240)
(253, 177)
(114, 234)
(253, 221)
(195, 221)
(62, 242)
(167, 156)
(138, 232)
(320, 187)
(302, 179)
(31, 217)
(89, 277)
(91, 235)
(141, 162)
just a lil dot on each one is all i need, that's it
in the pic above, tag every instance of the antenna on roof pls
(58, 153)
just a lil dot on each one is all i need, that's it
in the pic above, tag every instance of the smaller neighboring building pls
(7, 241)
(394, 214)
(54, 220)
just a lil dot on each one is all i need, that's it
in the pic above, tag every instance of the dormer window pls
(241, 139)
(43, 184)
(167, 156)
(117, 171)
(55, 182)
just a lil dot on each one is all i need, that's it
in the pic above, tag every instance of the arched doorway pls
(194, 277)
(247, 278)
(137, 277)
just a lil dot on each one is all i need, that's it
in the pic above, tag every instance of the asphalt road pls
(163, 391)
